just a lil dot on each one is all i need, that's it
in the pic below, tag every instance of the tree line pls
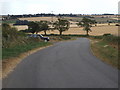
(61, 25)
(35, 27)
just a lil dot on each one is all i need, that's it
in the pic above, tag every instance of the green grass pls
(9, 21)
(107, 54)
(17, 50)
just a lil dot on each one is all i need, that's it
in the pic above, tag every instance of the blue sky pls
(58, 6)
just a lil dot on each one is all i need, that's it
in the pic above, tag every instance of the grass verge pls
(106, 52)
(17, 50)
(14, 55)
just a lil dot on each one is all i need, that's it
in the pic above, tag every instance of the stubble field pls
(100, 29)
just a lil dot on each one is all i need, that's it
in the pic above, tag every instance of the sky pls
(17, 7)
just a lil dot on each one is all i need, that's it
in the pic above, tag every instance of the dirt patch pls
(8, 65)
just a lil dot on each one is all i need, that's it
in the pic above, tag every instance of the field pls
(72, 19)
(39, 18)
(100, 29)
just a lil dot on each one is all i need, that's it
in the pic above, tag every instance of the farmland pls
(100, 29)
(39, 18)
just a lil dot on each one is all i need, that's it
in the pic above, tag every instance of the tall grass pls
(109, 38)
(17, 50)
(15, 43)
(110, 53)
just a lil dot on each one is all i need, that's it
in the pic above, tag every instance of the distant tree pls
(44, 26)
(109, 22)
(33, 27)
(61, 25)
(79, 24)
(87, 28)
(87, 21)
(87, 24)
(94, 22)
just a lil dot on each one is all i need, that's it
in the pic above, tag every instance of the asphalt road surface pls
(68, 64)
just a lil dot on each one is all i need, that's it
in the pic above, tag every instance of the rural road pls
(68, 64)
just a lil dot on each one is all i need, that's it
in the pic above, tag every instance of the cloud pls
(59, 6)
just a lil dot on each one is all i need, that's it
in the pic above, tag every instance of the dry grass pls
(107, 53)
(96, 31)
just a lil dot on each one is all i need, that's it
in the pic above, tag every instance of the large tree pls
(87, 24)
(87, 29)
(44, 26)
(33, 27)
(61, 25)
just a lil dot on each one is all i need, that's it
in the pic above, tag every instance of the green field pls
(8, 21)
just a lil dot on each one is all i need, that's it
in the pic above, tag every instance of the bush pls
(112, 39)
(107, 34)
(11, 37)
(8, 31)
(117, 24)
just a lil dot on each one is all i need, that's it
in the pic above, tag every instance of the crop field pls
(73, 19)
(100, 29)
(96, 31)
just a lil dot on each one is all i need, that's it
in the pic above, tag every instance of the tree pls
(87, 29)
(87, 24)
(33, 27)
(79, 24)
(44, 26)
(61, 25)
(94, 22)
(109, 22)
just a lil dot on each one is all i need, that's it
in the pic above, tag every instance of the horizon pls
(61, 13)
(58, 14)
(20, 7)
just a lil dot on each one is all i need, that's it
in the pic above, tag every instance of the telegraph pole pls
(52, 16)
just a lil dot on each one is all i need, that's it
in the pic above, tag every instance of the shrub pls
(107, 34)
(11, 37)
(117, 24)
